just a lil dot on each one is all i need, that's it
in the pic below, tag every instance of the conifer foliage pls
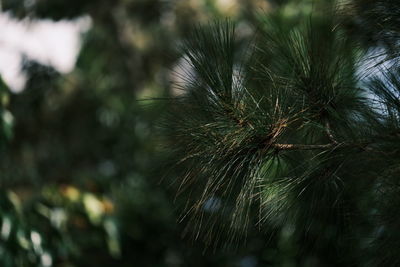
(296, 130)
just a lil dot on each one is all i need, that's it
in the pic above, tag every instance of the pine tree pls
(297, 130)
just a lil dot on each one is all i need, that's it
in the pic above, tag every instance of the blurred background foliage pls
(82, 176)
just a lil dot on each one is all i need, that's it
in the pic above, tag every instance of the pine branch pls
(302, 146)
(329, 133)
(279, 146)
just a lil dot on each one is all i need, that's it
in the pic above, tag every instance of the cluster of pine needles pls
(295, 127)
